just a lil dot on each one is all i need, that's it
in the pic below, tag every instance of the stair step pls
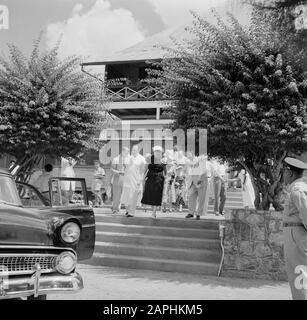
(212, 224)
(158, 230)
(140, 239)
(232, 204)
(135, 262)
(157, 252)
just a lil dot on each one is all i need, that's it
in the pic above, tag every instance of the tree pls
(288, 15)
(246, 86)
(47, 107)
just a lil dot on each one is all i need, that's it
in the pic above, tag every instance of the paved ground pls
(106, 283)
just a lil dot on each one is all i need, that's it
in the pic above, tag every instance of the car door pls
(69, 196)
(30, 197)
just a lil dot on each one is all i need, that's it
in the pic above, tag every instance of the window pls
(30, 197)
(68, 192)
(8, 191)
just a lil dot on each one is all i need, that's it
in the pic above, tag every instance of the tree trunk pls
(25, 166)
(268, 190)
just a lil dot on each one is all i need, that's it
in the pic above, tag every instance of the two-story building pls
(137, 107)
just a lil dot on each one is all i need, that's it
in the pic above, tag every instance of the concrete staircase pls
(164, 244)
(169, 243)
(233, 200)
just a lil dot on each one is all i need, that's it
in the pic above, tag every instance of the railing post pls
(158, 112)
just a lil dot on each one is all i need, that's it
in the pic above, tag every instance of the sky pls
(93, 28)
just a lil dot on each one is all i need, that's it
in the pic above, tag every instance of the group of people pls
(172, 180)
(145, 180)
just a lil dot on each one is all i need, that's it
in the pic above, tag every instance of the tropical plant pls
(245, 85)
(48, 107)
(288, 15)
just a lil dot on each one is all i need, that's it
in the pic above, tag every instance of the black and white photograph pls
(153, 150)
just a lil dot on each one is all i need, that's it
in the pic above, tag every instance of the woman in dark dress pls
(154, 180)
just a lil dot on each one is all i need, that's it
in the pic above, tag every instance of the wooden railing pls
(137, 93)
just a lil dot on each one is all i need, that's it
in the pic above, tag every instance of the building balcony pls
(137, 93)
(139, 110)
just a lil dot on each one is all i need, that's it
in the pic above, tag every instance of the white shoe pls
(154, 215)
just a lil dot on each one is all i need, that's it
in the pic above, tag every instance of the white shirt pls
(120, 161)
(119, 164)
(67, 168)
(42, 182)
(296, 202)
(199, 166)
(217, 169)
(135, 170)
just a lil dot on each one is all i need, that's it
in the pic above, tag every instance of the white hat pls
(293, 162)
(157, 148)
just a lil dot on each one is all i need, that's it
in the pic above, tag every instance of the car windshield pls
(8, 191)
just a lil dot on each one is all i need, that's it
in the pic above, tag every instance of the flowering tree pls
(47, 107)
(288, 15)
(246, 86)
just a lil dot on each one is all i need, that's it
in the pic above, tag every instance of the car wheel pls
(42, 297)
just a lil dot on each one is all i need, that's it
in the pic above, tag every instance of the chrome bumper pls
(25, 286)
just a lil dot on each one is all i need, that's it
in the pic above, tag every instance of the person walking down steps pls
(199, 173)
(154, 180)
(132, 183)
(248, 192)
(219, 186)
(169, 196)
(119, 164)
(98, 184)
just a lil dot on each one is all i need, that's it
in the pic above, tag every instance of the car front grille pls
(15, 264)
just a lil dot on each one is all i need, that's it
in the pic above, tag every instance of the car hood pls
(24, 226)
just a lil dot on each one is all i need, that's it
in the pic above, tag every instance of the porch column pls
(158, 113)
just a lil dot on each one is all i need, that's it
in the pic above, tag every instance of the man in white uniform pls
(197, 186)
(119, 164)
(295, 228)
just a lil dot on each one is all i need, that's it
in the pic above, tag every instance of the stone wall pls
(254, 245)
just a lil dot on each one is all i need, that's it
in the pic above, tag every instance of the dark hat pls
(293, 162)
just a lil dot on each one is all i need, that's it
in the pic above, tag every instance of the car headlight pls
(66, 262)
(70, 232)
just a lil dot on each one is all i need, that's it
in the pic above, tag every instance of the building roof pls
(152, 47)
(149, 49)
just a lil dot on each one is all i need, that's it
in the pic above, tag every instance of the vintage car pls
(40, 240)
(70, 209)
